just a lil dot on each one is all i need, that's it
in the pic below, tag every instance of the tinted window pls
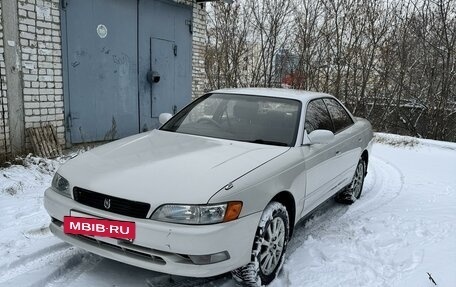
(339, 115)
(263, 120)
(317, 117)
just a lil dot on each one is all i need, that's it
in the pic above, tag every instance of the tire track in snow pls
(380, 174)
(387, 184)
(340, 239)
(330, 212)
(38, 232)
(36, 260)
(34, 256)
(74, 266)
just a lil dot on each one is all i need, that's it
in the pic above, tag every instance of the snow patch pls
(402, 228)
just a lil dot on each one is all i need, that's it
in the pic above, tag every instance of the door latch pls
(69, 124)
(190, 25)
(175, 49)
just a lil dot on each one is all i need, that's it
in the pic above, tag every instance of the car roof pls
(300, 95)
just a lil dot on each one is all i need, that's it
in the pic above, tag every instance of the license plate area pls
(100, 228)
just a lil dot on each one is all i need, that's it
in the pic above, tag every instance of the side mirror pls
(164, 117)
(321, 137)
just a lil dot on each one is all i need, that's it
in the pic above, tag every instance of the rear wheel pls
(269, 247)
(353, 191)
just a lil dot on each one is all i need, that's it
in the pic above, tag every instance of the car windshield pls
(256, 119)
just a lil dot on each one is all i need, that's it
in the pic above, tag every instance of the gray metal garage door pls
(126, 61)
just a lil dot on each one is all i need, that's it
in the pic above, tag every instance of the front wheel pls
(269, 247)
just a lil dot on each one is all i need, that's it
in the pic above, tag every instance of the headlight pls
(61, 185)
(198, 214)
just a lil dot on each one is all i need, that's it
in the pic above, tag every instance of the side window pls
(317, 117)
(339, 115)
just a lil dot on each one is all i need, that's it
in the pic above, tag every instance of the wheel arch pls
(287, 199)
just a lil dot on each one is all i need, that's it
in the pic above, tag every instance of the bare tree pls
(392, 61)
(227, 48)
(271, 31)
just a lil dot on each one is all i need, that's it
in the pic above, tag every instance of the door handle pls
(338, 152)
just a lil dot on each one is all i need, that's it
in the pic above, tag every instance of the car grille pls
(116, 205)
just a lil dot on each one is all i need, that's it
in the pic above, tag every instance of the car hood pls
(161, 167)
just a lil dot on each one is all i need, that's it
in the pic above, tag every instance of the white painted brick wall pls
(199, 43)
(40, 36)
(4, 128)
(198, 46)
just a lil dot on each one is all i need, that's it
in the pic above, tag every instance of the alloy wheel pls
(272, 246)
(357, 182)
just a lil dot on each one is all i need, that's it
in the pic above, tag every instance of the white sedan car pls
(218, 188)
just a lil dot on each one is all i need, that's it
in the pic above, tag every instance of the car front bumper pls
(160, 246)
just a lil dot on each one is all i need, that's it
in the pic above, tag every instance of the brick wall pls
(41, 53)
(4, 128)
(198, 46)
(199, 43)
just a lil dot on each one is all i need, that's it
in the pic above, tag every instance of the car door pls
(321, 174)
(347, 149)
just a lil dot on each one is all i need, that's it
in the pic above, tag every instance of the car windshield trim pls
(261, 141)
(175, 123)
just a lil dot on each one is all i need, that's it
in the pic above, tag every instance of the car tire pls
(269, 247)
(353, 191)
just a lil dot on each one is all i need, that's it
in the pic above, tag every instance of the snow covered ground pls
(403, 226)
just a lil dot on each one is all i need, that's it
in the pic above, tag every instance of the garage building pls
(96, 70)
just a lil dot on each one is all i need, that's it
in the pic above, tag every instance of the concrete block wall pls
(41, 64)
(4, 127)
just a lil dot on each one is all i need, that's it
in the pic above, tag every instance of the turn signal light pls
(232, 211)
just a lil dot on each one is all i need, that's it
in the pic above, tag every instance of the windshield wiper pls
(261, 141)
